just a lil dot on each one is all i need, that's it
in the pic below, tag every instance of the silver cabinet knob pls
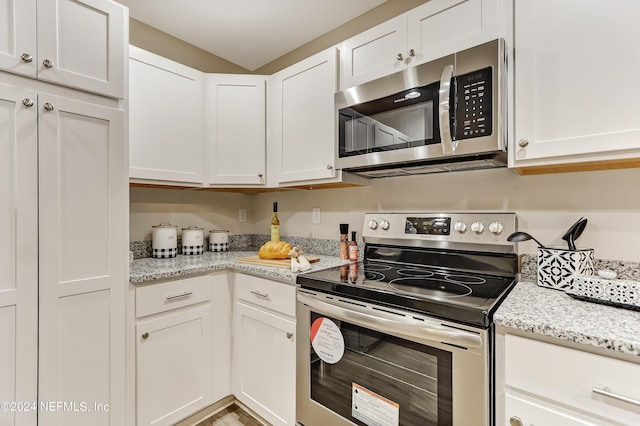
(522, 143)
(145, 336)
(516, 421)
(412, 53)
(47, 63)
(329, 167)
(399, 56)
(26, 57)
(260, 175)
(48, 106)
(289, 335)
(27, 102)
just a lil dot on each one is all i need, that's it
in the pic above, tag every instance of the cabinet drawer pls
(162, 297)
(534, 413)
(279, 297)
(572, 377)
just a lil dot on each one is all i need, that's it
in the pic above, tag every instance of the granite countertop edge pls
(148, 270)
(528, 307)
(553, 313)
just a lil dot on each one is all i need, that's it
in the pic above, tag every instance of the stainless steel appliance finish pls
(445, 115)
(413, 319)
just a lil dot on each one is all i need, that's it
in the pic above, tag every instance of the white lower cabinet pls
(263, 362)
(548, 384)
(174, 350)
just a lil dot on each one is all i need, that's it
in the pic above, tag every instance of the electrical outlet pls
(315, 215)
(242, 215)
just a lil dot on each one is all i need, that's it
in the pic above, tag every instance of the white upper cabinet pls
(432, 30)
(576, 105)
(75, 43)
(235, 128)
(166, 120)
(302, 119)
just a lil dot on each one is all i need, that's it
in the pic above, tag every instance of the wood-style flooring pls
(230, 416)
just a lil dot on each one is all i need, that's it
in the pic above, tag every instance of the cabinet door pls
(82, 44)
(442, 27)
(235, 111)
(222, 302)
(18, 252)
(264, 363)
(83, 205)
(303, 121)
(374, 53)
(173, 366)
(567, 108)
(18, 36)
(166, 119)
(531, 413)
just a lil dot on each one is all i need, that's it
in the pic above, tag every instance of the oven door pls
(367, 365)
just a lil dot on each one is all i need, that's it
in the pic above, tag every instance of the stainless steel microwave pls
(444, 115)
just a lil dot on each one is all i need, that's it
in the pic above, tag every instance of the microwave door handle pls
(444, 93)
(394, 324)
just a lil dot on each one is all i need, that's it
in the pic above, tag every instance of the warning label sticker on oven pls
(373, 409)
(327, 340)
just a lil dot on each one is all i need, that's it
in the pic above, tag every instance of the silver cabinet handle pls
(48, 106)
(289, 335)
(448, 145)
(179, 296)
(47, 63)
(607, 392)
(412, 53)
(27, 102)
(399, 56)
(522, 143)
(260, 294)
(260, 175)
(516, 421)
(145, 336)
(329, 167)
(26, 57)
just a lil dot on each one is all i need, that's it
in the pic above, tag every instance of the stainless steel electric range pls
(405, 337)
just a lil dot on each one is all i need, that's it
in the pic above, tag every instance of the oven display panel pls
(428, 225)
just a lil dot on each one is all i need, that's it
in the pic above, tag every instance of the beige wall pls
(148, 38)
(153, 40)
(546, 206)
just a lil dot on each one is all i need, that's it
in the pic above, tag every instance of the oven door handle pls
(393, 324)
(444, 95)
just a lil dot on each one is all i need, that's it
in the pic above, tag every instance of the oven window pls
(382, 380)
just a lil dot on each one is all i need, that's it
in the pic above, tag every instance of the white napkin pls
(299, 263)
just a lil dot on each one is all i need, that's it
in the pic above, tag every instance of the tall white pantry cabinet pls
(63, 212)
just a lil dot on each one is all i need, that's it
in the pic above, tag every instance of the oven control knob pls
(496, 228)
(460, 227)
(384, 224)
(373, 224)
(477, 227)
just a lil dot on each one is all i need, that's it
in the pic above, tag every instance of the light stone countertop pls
(528, 307)
(553, 313)
(150, 269)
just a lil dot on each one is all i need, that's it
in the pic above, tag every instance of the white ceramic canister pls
(192, 240)
(164, 241)
(219, 240)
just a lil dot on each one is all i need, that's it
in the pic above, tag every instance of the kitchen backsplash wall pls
(546, 206)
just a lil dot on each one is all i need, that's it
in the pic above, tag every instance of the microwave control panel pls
(474, 104)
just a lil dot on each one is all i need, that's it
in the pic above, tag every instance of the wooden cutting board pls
(277, 263)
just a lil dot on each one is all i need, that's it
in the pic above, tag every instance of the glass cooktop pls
(460, 295)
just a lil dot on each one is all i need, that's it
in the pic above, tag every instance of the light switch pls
(242, 215)
(315, 215)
